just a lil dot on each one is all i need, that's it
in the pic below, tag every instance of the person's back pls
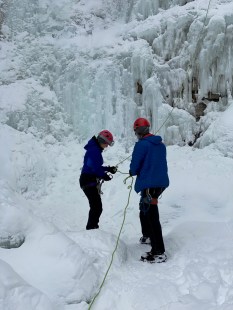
(93, 160)
(149, 163)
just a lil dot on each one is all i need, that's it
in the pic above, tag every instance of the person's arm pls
(138, 157)
(111, 169)
(95, 162)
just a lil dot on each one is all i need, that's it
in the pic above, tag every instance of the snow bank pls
(17, 294)
(47, 260)
(220, 133)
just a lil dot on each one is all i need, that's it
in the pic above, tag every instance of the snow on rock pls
(220, 133)
(27, 106)
(25, 167)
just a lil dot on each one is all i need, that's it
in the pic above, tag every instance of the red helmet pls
(105, 136)
(141, 122)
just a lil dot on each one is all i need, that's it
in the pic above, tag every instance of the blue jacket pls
(93, 159)
(149, 163)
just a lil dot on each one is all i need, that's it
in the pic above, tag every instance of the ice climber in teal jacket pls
(149, 164)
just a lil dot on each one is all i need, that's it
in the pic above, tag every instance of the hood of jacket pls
(153, 139)
(92, 143)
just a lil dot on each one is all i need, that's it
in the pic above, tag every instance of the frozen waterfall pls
(82, 66)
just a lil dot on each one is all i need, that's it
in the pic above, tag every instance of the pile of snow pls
(17, 294)
(220, 133)
(48, 264)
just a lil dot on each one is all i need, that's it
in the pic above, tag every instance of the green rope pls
(122, 172)
(123, 160)
(113, 253)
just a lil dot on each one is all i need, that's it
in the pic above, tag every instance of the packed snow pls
(61, 265)
(68, 70)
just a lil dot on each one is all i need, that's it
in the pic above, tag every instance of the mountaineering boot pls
(144, 240)
(153, 258)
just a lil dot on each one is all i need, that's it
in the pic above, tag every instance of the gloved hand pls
(130, 173)
(112, 169)
(106, 177)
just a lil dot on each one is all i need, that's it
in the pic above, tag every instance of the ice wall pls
(104, 63)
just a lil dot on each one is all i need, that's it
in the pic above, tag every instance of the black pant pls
(150, 224)
(88, 184)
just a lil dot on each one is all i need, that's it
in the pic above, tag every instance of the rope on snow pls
(117, 242)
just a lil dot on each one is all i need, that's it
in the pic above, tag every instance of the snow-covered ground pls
(60, 265)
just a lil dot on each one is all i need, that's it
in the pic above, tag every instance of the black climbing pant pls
(150, 223)
(88, 183)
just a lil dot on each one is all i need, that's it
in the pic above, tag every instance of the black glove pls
(106, 177)
(112, 169)
(130, 173)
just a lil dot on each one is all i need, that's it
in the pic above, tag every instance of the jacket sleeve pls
(95, 162)
(138, 157)
(106, 168)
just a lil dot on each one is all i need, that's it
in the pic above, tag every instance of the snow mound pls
(68, 268)
(16, 294)
(220, 133)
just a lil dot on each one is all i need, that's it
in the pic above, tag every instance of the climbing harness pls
(99, 184)
(144, 206)
(146, 202)
(117, 242)
(89, 185)
(149, 198)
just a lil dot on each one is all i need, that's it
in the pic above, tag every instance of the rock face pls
(9, 242)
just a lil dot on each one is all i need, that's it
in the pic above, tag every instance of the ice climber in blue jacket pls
(93, 172)
(149, 164)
